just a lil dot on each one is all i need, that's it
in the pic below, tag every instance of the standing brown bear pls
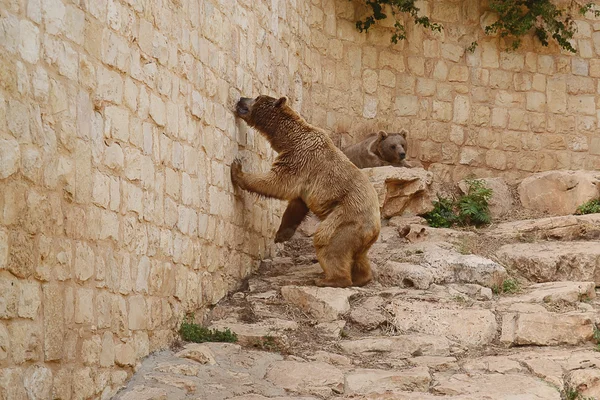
(311, 172)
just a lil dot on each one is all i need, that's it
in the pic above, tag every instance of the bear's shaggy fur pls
(378, 150)
(309, 169)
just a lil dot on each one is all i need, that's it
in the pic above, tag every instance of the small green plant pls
(596, 337)
(471, 208)
(442, 215)
(474, 207)
(344, 334)
(508, 286)
(589, 207)
(191, 332)
(570, 393)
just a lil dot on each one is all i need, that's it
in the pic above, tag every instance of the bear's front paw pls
(236, 172)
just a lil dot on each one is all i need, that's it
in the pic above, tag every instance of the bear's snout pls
(243, 106)
(402, 155)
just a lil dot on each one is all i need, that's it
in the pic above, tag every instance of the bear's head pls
(392, 146)
(262, 112)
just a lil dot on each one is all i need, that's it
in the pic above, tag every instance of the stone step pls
(553, 261)
(533, 325)
(474, 327)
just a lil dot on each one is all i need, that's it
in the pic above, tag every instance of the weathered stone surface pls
(585, 381)
(402, 346)
(448, 266)
(471, 327)
(570, 227)
(546, 328)
(306, 378)
(38, 382)
(405, 275)
(250, 332)
(501, 200)
(553, 261)
(402, 191)
(145, 393)
(559, 192)
(494, 364)
(324, 304)
(496, 386)
(368, 314)
(197, 352)
(554, 292)
(365, 381)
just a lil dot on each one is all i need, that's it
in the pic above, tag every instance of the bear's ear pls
(281, 101)
(382, 134)
(403, 133)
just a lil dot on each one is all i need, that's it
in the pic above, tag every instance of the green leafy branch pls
(516, 18)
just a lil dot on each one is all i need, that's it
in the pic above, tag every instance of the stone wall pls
(491, 112)
(117, 215)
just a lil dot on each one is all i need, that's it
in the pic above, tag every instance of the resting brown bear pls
(378, 150)
(310, 169)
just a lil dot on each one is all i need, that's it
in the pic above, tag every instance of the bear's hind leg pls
(335, 254)
(361, 270)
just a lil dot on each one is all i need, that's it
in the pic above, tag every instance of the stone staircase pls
(429, 327)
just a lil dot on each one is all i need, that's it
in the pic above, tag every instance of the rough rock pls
(198, 352)
(144, 393)
(501, 200)
(586, 382)
(559, 192)
(306, 378)
(401, 191)
(496, 386)
(470, 327)
(448, 266)
(494, 364)
(365, 381)
(405, 275)
(554, 292)
(569, 227)
(402, 346)
(546, 328)
(553, 261)
(367, 315)
(324, 304)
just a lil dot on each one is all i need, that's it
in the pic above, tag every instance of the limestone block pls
(10, 157)
(401, 190)
(559, 192)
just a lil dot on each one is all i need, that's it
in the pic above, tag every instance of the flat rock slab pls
(402, 346)
(365, 381)
(307, 378)
(546, 328)
(449, 266)
(568, 227)
(469, 327)
(235, 372)
(248, 332)
(554, 261)
(324, 304)
(554, 292)
(496, 387)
